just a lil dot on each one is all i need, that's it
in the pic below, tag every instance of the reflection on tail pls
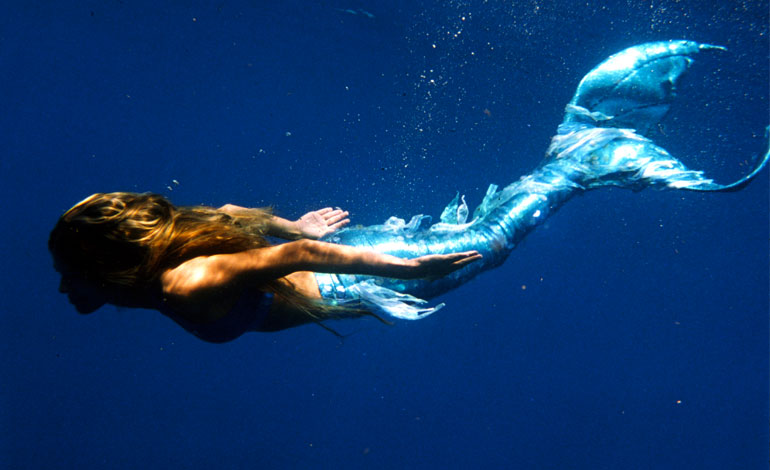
(632, 91)
(600, 143)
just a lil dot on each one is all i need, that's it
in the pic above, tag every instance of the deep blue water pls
(630, 331)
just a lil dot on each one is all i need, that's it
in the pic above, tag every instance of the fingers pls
(468, 260)
(340, 224)
(463, 256)
(436, 266)
(333, 217)
(466, 254)
(465, 259)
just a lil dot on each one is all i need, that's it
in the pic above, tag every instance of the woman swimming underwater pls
(213, 272)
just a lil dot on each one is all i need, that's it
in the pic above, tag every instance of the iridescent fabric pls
(600, 143)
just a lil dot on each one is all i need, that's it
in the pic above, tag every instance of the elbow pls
(302, 252)
(306, 255)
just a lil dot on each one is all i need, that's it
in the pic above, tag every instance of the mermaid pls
(214, 272)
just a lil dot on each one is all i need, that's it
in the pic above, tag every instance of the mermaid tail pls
(599, 143)
(633, 90)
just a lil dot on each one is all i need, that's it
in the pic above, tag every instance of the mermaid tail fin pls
(596, 145)
(627, 95)
(634, 88)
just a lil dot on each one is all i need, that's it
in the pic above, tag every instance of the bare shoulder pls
(188, 277)
(196, 290)
(199, 276)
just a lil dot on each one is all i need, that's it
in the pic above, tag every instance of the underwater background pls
(629, 331)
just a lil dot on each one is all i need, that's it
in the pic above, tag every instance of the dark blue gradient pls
(629, 331)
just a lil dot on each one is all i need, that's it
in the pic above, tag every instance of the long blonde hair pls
(127, 240)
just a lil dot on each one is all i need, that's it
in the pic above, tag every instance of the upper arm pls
(208, 275)
(203, 274)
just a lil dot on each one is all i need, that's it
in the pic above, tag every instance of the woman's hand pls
(317, 224)
(313, 225)
(436, 266)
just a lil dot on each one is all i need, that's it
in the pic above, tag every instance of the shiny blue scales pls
(600, 143)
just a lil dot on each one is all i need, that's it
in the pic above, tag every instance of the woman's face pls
(83, 294)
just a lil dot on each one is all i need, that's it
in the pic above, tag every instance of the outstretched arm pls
(313, 225)
(205, 275)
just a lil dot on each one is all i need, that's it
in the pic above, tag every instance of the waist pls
(248, 314)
